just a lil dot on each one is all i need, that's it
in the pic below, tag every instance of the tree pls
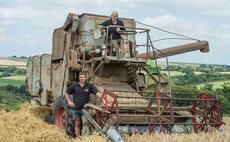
(208, 87)
(188, 70)
(226, 87)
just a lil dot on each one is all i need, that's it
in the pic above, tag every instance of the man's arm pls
(105, 23)
(95, 91)
(120, 29)
(69, 101)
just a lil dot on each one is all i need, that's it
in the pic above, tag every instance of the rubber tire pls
(70, 126)
(49, 118)
(61, 103)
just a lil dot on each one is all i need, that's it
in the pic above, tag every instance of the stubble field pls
(27, 125)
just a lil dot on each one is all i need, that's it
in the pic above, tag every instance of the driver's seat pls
(121, 48)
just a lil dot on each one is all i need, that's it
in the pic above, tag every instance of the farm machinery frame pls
(134, 98)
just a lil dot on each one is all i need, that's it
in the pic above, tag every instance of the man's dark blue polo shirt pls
(112, 30)
(80, 94)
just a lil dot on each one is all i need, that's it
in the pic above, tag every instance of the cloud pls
(222, 40)
(19, 13)
(200, 4)
(2, 37)
(27, 13)
(28, 27)
(218, 13)
(2, 34)
(29, 40)
(178, 25)
(164, 20)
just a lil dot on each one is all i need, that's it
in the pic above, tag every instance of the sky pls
(26, 26)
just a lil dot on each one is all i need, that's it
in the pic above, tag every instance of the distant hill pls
(12, 62)
(193, 65)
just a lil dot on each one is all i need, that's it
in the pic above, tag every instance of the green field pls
(225, 72)
(216, 84)
(198, 72)
(178, 73)
(182, 64)
(9, 101)
(18, 77)
(173, 73)
(12, 80)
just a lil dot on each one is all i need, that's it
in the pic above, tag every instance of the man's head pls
(114, 16)
(82, 77)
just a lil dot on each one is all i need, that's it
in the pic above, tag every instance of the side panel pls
(45, 76)
(60, 72)
(58, 44)
(56, 78)
(29, 76)
(36, 84)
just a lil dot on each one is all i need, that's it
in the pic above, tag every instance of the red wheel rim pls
(210, 115)
(60, 118)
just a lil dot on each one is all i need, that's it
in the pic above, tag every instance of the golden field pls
(9, 62)
(27, 125)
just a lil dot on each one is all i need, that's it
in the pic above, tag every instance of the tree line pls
(11, 70)
(201, 68)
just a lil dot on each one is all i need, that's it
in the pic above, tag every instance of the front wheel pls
(60, 110)
(63, 119)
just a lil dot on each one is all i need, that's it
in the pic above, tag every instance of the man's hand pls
(69, 101)
(101, 27)
(71, 104)
(118, 30)
(99, 94)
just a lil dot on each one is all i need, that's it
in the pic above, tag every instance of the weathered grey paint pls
(36, 75)
(45, 76)
(29, 76)
(89, 24)
(58, 44)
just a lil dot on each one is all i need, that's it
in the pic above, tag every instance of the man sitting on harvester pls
(114, 32)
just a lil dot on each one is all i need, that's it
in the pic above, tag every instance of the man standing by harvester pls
(81, 94)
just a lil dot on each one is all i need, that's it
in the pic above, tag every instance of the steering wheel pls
(128, 32)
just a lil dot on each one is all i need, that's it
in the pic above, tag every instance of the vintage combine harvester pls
(134, 100)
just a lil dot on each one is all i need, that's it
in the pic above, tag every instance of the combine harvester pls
(135, 99)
